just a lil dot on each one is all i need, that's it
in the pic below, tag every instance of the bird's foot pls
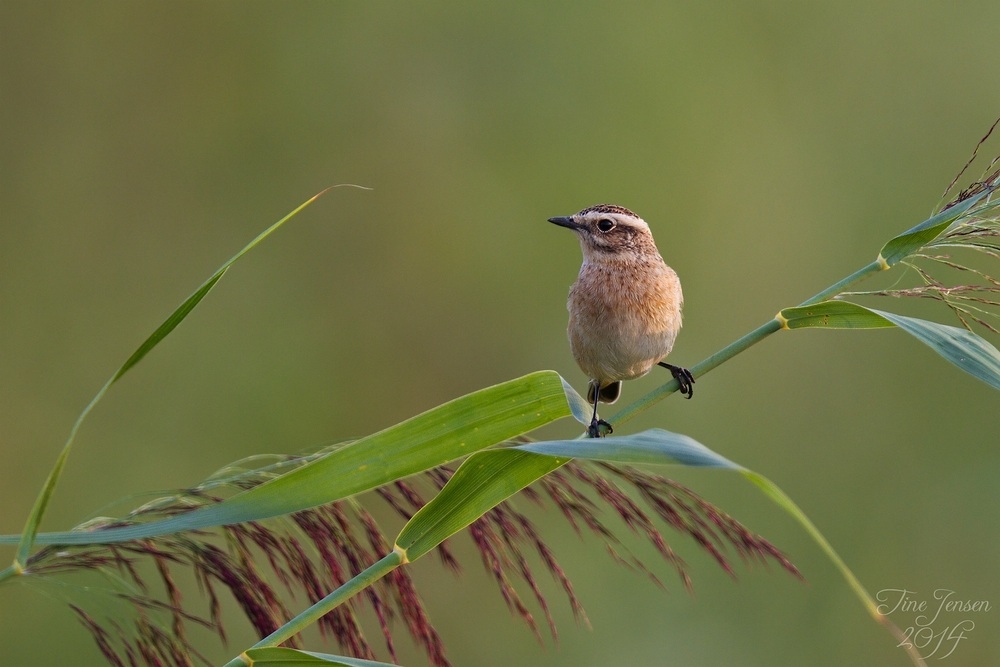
(684, 378)
(599, 428)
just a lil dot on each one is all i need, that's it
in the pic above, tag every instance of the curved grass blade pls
(913, 239)
(664, 447)
(450, 431)
(963, 348)
(653, 446)
(969, 351)
(278, 656)
(41, 503)
(488, 478)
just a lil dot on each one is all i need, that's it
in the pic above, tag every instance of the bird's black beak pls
(564, 221)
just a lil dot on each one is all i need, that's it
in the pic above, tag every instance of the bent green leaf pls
(653, 446)
(963, 348)
(657, 446)
(30, 531)
(970, 352)
(450, 431)
(913, 239)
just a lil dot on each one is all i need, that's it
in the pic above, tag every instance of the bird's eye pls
(605, 225)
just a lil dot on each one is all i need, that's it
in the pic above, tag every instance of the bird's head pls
(609, 232)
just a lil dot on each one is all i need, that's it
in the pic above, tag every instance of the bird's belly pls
(619, 350)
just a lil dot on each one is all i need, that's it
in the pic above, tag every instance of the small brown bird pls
(625, 306)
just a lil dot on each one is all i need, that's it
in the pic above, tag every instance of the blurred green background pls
(773, 147)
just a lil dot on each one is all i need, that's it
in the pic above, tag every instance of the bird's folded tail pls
(609, 392)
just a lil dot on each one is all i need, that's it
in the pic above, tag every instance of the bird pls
(624, 308)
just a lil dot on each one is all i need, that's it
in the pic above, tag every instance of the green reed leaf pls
(28, 535)
(445, 433)
(832, 315)
(967, 350)
(488, 478)
(653, 446)
(917, 237)
(963, 348)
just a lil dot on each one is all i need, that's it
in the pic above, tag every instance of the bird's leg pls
(683, 377)
(594, 430)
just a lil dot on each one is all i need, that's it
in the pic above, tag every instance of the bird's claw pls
(684, 378)
(599, 428)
